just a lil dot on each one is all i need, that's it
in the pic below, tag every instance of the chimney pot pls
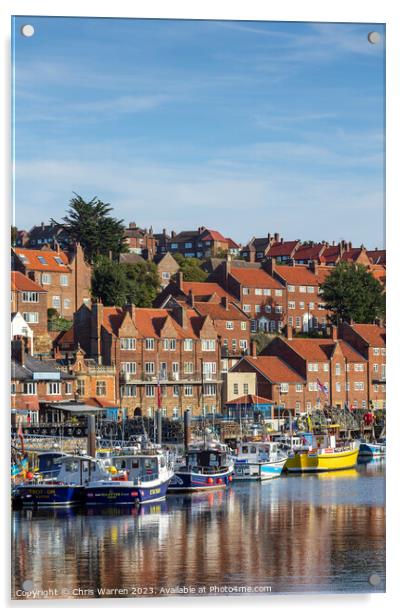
(253, 348)
(289, 332)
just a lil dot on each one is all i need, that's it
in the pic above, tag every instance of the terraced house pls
(164, 358)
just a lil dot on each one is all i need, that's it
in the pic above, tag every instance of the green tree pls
(14, 232)
(90, 224)
(191, 268)
(109, 282)
(350, 292)
(143, 283)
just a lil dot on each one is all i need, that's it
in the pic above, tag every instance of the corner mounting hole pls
(27, 30)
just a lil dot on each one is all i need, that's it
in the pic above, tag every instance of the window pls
(69, 388)
(149, 367)
(284, 388)
(29, 389)
(375, 367)
(175, 368)
(246, 291)
(358, 386)
(258, 291)
(188, 367)
(383, 351)
(246, 308)
(210, 389)
(376, 388)
(290, 320)
(207, 344)
(188, 245)
(81, 387)
(302, 289)
(253, 326)
(53, 389)
(313, 386)
(128, 391)
(291, 288)
(268, 308)
(13, 389)
(337, 369)
(245, 388)
(101, 388)
(67, 303)
(235, 389)
(169, 344)
(149, 344)
(188, 344)
(42, 260)
(267, 291)
(257, 309)
(298, 321)
(321, 306)
(311, 305)
(188, 391)
(297, 406)
(165, 276)
(301, 305)
(175, 412)
(229, 325)
(127, 344)
(308, 406)
(299, 387)
(150, 391)
(310, 289)
(46, 279)
(57, 259)
(30, 296)
(325, 367)
(129, 367)
(243, 325)
(56, 301)
(278, 292)
(243, 344)
(209, 369)
(174, 246)
(278, 309)
(312, 367)
(31, 317)
(291, 305)
(176, 391)
(383, 371)
(359, 367)
(64, 280)
(337, 387)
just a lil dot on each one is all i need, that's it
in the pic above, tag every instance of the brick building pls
(167, 268)
(65, 276)
(174, 349)
(36, 385)
(370, 341)
(201, 243)
(30, 300)
(140, 241)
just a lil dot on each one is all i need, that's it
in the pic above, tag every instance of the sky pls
(243, 127)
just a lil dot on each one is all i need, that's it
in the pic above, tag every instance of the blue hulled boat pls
(370, 451)
(205, 467)
(140, 478)
(258, 461)
(64, 487)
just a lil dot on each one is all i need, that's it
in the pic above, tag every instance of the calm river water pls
(321, 533)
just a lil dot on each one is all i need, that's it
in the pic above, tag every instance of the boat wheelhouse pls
(204, 467)
(258, 461)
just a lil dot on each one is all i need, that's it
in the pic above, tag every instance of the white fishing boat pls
(258, 461)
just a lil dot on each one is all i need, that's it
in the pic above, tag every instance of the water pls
(314, 533)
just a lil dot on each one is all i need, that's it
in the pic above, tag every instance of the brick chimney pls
(269, 266)
(95, 337)
(179, 313)
(225, 302)
(334, 332)
(253, 348)
(191, 298)
(18, 350)
(289, 332)
(180, 280)
(313, 266)
(276, 237)
(130, 308)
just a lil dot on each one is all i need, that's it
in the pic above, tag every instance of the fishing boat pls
(205, 466)
(321, 453)
(64, 487)
(370, 451)
(138, 478)
(258, 461)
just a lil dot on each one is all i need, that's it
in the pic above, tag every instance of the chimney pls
(164, 232)
(130, 308)
(42, 224)
(253, 348)
(179, 313)
(276, 237)
(281, 240)
(132, 225)
(269, 266)
(225, 302)
(334, 332)
(95, 333)
(313, 266)
(289, 332)
(180, 280)
(191, 298)
(18, 350)
(173, 234)
(269, 237)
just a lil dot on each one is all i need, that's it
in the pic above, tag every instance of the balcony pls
(173, 378)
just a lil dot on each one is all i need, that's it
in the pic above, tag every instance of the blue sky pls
(245, 127)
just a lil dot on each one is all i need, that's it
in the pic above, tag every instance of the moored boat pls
(139, 478)
(322, 455)
(370, 451)
(206, 466)
(258, 461)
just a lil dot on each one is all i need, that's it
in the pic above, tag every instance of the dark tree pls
(191, 268)
(143, 283)
(90, 224)
(351, 292)
(109, 282)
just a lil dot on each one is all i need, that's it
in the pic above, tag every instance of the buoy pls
(230, 478)
(210, 480)
(29, 475)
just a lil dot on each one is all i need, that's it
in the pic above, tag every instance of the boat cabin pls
(79, 470)
(49, 463)
(207, 459)
(258, 452)
(140, 467)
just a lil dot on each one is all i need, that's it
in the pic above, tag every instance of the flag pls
(322, 388)
(20, 432)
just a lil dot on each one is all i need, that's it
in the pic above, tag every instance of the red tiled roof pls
(314, 349)
(210, 234)
(373, 334)
(250, 399)
(323, 271)
(204, 289)
(377, 256)
(30, 258)
(274, 369)
(351, 255)
(350, 353)
(284, 249)
(297, 274)
(308, 252)
(255, 278)
(150, 322)
(20, 282)
(219, 312)
(232, 243)
(330, 254)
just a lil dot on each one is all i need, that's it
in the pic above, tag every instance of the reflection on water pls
(315, 533)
